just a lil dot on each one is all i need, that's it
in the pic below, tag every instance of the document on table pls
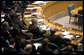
(65, 33)
(30, 22)
(27, 16)
(43, 27)
(37, 45)
(68, 36)
(2, 15)
(40, 20)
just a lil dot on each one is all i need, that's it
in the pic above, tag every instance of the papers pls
(30, 22)
(68, 36)
(36, 13)
(2, 19)
(37, 7)
(43, 27)
(65, 33)
(77, 36)
(31, 8)
(37, 44)
(40, 20)
(27, 16)
(39, 2)
(2, 15)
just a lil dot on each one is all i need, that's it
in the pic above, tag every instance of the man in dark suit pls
(44, 49)
(34, 29)
(19, 23)
(12, 13)
(55, 38)
(5, 30)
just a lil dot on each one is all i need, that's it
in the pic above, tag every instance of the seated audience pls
(17, 38)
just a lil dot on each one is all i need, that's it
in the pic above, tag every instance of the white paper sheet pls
(65, 33)
(40, 20)
(68, 36)
(37, 44)
(27, 16)
(43, 27)
(2, 15)
(36, 13)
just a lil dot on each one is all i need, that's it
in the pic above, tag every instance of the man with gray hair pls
(55, 38)
(34, 29)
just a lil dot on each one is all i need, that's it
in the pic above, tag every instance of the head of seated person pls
(12, 42)
(19, 16)
(5, 25)
(45, 42)
(34, 21)
(52, 30)
(46, 34)
(28, 49)
(14, 8)
(29, 36)
(70, 49)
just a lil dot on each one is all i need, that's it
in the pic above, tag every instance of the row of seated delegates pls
(21, 5)
(15, 19)
(28, 40)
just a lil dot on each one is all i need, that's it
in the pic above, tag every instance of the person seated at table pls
(13, 14)
(55, 38)
(70, 50)
(44, 49)
(34, 29)
(19, 23)
(5, 31)
(19, 8)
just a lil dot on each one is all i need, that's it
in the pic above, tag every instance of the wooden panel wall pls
(55, 7)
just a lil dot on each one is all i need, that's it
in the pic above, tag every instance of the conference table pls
(47, 22)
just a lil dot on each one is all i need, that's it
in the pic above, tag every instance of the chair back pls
(70, 8)
(80, 20)
(53, 46)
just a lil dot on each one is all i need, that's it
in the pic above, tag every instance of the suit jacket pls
(13, 15)
(44, 50)
(35, 30)
(20, 24)
(55, 39)
(5, 33)
(10, 50)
